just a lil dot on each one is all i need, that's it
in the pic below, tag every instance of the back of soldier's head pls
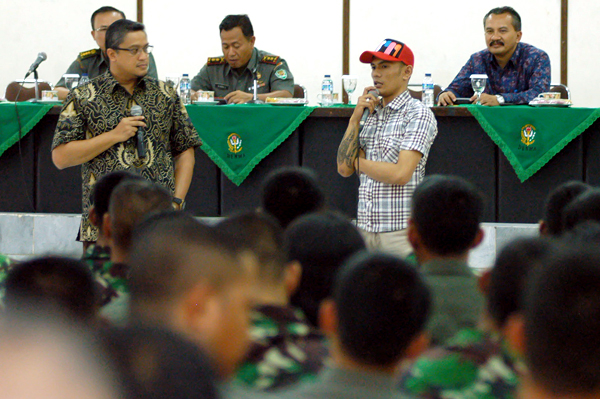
(130, 203)
(53, 282)
(556, 202)
(446, 211)
(585, 206)
(382, 305)
(562, 321)
(320, 242)
(104, 188)
(288, 193)
(260, 234)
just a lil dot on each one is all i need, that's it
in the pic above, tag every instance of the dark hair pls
(585, 206)
(516, 18)
(152, 362)
(55, 282)
(261, 234)
(103, 10)
(233, 21)
(291, 192)
(556, 202)
(584, 233)
(104, 187)
(562, 321)
(510, 273)
(446, 211)
(115, 35)
(321, 242)
(382, 304)
(131, 202)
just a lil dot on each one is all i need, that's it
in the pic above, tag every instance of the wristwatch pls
(500, 99)
(179, 202)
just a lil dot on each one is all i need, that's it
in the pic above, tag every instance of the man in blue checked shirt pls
(517, 72)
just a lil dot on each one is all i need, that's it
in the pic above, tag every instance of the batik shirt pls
(405, 124)
(285, 349)
(98, 107)
(526, 75)
(472, 365)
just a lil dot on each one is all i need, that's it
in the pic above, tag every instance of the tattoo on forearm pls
(348, 149)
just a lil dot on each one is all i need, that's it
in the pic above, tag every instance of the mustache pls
(497, 42)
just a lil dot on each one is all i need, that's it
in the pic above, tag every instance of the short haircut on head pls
(171, 253)
(510, 273)
(382, 305)
(586, 206)
(556, 202)
(291, 192)
(321, 242)
(562, 321)
(115, 35)
(132, 201)
(261, 234)
(53, 282)
(242, 21)
(516, 18)
(446, 211)
(104, 187)
(103, 10)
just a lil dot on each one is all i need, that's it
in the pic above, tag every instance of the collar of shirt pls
(397, 102)
(513, 60)
(113, 83)
(446, 267)
(252, 64)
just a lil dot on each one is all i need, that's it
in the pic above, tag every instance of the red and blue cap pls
(390, 50)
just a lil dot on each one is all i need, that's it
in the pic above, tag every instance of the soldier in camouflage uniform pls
(5, 265)
(232, 75)
(94, 62)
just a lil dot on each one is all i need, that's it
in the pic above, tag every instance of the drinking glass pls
(172, 81)
(71, 80)
(349, 82)
(478, 82)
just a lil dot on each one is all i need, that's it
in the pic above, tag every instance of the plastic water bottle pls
(327, 91)
(185, 87)
(427, 94)
(85, 79)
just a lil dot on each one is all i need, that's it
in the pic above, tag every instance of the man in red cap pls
(390, 150)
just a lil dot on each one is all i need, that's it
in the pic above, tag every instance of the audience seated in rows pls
(443, 227)
(285, 348)
(584, 207)
(552, 222)
(320, 242)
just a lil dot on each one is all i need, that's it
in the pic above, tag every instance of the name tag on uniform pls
(222, 86)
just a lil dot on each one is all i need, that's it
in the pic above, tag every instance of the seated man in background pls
(517, 72)
(584, 207)
(232, 75)
(374, 320)
(285, 348)
(552, 223)
(443, 228)
(95, 62)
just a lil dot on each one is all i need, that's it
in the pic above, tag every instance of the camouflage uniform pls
(273, 74)
(94, 64)
(472, 365)
(285, 349)
(5, 265)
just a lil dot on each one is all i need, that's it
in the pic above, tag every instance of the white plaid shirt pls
(403, 124)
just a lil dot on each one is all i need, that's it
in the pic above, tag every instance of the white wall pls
(309, 38)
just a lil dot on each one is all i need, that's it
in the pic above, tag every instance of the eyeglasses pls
(136, 50)
(101, 29)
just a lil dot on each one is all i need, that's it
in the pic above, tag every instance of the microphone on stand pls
(136, 110)
(40, 58)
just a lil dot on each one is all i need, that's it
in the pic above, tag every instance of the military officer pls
(94, 62)
(232, 75)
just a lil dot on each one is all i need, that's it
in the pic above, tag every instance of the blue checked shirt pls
(404, 124)
(526, 75)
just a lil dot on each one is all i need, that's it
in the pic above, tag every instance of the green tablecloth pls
(529, 137)
(29, 114)
(238, 137)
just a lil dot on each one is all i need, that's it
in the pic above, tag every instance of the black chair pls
(299, 91)
(437, 89)
(564, 91)
(26, 93)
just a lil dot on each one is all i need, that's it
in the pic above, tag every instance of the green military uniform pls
(94, 64)
(218, 76)
(5, 265)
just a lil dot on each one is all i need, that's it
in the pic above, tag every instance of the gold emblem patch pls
(234, 142)
(528, 135)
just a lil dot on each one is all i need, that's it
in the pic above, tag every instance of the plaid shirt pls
(526, 75)
(405, 124)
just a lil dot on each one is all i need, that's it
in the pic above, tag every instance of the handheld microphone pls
(365, 114)
(136, 110)
(40, 58)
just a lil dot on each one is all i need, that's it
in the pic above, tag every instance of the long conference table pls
(514, 155)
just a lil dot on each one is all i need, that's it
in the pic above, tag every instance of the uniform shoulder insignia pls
(270, 59)
(215, 61)
(87, 54)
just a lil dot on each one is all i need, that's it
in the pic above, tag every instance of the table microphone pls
(40, 58)
(365, 114)
(136, 110)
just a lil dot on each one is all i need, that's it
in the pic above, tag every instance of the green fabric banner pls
(238, 137)
(530, 137)
(29, 114)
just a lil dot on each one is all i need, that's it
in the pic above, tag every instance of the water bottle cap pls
(185, 75)
(85, 74)
(327, 76)
(428, 74)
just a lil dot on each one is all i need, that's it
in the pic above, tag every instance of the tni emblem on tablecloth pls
(528, 135)
(234, 141)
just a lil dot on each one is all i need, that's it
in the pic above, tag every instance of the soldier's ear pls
(252, 40)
